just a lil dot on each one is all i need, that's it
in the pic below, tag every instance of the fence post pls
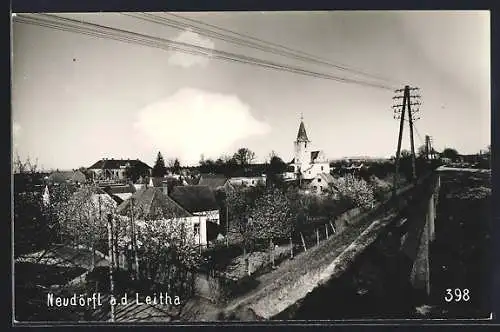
(333, 228)
(303, 242)
(326, 230)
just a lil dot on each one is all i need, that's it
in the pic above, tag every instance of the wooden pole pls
(303, 241)
(400, 138)
(412, 143)
(111, 264)
(291, 247)
(333, 228)
(317, 236)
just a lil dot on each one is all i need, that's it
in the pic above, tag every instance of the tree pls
(159, 169)
(244, 156)
(422, 151)
(450, 153)
(272, 217)
(239, 205)
(276, 167)
(82, 218)
(358, 191)
(176, 167)
(135, 171)
(27, 166)
(166, 245)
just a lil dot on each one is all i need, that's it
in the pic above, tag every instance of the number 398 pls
(457, 295)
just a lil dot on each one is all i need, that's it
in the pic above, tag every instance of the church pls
(307, 163)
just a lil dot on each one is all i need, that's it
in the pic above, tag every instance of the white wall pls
(315, 169)
(238, 181)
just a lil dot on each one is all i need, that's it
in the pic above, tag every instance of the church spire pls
(302, 135)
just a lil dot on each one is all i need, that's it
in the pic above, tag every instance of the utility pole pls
(399, 113)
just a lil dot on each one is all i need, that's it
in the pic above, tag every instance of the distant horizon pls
(330, 160)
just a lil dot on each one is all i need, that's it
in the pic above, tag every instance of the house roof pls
(117, 163)
(302, 135)
(326, 177)
(195, 198)
(63, 176)
(150, 203)
(212, 180)
(119, 189)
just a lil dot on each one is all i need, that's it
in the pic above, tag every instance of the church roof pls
(302, 135)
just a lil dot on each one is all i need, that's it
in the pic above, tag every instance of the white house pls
(308, 163)
(115, 169)
(249, 181)
(200, 201)
(320, 183)
(152, 203)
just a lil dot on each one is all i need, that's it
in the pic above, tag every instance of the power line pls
(101, 31)
(274, 48)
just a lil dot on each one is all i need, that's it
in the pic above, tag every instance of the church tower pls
(302, 158)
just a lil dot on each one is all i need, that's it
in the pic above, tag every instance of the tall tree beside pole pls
(111, 264)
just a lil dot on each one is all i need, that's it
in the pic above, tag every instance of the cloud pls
(192, 122)
(187, 60)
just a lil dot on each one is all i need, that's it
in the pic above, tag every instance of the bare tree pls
(244, 156)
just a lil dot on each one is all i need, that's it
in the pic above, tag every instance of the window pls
(321, 167)
(319, 180)
(253, 181)
(197, 229)
(309, 172)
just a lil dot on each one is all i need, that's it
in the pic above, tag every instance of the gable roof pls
(118, 163)
(212, 181)
(120, 189)
(302, 135)
(195, 198)
(326, 177)
(151, 203)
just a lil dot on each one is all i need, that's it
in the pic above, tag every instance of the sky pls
(78, 98)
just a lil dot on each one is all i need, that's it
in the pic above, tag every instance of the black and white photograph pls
(251, 166)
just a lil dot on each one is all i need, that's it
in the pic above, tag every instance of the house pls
(120, 193)
(58, 177)
(92, 202)
(320, 183)
(201, 202)
(215, 181)
(166, 183)
(307, 163)
(249, 181)
(151, 203)
(114, 169)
